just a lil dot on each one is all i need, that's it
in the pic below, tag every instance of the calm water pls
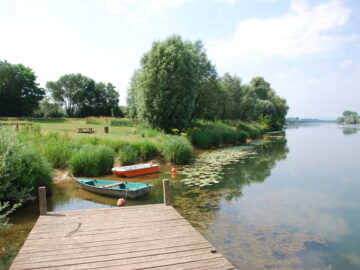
(294, 205)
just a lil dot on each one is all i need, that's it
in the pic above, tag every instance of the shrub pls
(229, 136)
(253, 132)
(128, 154)
(58, 151)
(92, 160)
(177, 149)
(147, 150)
(22, 169)
(242, 136)
(201, 139)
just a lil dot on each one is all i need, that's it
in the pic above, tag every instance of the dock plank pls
(134, 237)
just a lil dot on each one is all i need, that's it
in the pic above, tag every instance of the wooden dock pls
(135, 237)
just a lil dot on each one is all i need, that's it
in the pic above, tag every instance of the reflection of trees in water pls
(350, 130)
(199, 205)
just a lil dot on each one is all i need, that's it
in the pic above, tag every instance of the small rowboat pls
(114, 188)
(134, 170)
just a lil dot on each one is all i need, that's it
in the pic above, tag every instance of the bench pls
(85, 130)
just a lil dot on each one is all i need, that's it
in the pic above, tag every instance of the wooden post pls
(166, 186)
(42, 201)
(106, 129)
(17, 126)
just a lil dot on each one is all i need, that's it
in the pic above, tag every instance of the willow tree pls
(167, 84)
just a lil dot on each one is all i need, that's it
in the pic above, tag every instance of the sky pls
(308, 50)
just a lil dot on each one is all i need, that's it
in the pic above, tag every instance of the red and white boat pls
(134, 170)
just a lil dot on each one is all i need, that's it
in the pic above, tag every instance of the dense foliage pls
(349, 117)
(82, 96)
(22, 169)
(20, 94)
(177, 84)
(92, 160)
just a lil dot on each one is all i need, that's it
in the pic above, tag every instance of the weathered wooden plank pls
(217, 264)
(104, 227)
(83, 230)
(120, 259)
(139, 246)
(118, 253)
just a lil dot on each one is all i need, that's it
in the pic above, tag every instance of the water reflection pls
(350, 130)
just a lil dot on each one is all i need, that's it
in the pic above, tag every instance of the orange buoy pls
(173, 170)
(121, 202)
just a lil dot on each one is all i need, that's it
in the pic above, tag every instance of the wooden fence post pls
(106, 129)
(17, 126)
(166, 186)
(42, 201)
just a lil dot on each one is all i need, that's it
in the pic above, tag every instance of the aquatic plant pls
(58, 150)
(208, 167)
(177, 149)
(92, 160)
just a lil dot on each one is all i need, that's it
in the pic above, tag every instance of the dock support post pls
(106, 129)
(42, 201)
(166, 186)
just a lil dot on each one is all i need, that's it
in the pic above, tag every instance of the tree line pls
(72, 95)
(177, 83)
(348, 117)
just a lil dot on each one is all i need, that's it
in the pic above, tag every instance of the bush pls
(177, 150)
(201, 139)
(242, 136)
(128, 154)
(229, 136)
(147, 150)
(252, 131)
(92, 160)
(22, 169)
(58, 151)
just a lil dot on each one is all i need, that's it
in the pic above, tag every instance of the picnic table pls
(85, 130)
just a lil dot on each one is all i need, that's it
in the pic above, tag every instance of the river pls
(291, 202)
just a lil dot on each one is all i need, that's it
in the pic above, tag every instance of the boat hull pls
(135, 172)
(132, 194)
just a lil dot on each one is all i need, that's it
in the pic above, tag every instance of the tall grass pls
(177, 150)
(92, 121)
(58, 150)
(253, 131)
(128, 154)
(125, 123)
(92, 160)
(22, 169)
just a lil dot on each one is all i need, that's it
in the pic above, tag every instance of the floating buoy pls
(173, 170)
(121, 202)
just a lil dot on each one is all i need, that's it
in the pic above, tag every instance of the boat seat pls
(122, 185)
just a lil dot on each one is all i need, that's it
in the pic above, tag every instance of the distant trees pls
(82, 96)
(20, 94)
(348, 117)
(177, 83)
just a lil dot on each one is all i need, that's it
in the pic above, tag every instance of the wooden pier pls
(135, 237)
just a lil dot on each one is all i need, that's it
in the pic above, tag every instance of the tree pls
(232, 96)
(133, 95)
(208, 90)
(20, 94)
(71, 90)
(349, 113)
(82, 96)
(168, 84)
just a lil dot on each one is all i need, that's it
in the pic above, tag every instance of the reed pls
(177, 149)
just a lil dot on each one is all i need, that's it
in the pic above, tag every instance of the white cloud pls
(304, 30)
(347, 63)
(139, 12)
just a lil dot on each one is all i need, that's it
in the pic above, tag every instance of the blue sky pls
(307, 50)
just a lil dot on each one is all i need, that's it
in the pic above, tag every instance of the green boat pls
(115, 188)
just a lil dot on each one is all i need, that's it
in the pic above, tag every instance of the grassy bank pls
(129, 141)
